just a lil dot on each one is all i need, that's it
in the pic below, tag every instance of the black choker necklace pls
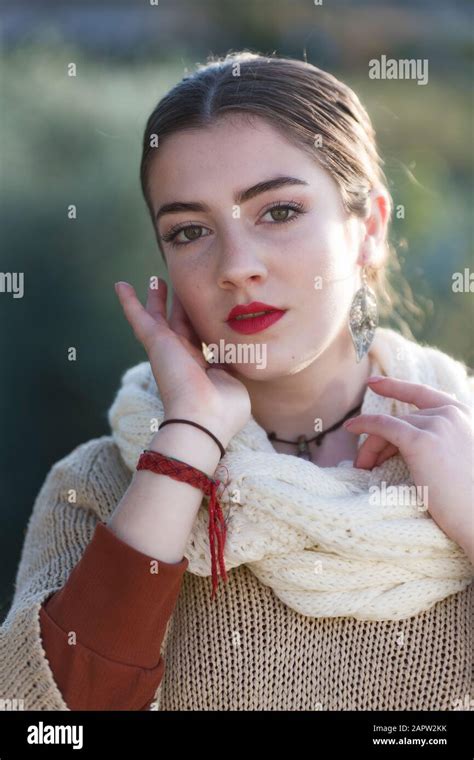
(302, 442)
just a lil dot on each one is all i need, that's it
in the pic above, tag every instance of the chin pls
(273, 369)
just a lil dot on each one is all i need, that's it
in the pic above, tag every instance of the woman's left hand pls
(437, 443)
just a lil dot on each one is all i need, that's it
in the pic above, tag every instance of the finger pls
(156, 307)
(156, 300)
(420, 395)
(394, 429)
(369, 452)
(180, 322)
(438, 411)
(373, 452)
(389, 451)
(143, 324)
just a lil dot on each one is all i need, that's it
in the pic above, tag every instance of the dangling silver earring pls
(363, 317)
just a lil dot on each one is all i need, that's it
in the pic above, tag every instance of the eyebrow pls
(240, 197)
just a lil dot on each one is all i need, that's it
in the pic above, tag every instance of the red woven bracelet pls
(178, 470)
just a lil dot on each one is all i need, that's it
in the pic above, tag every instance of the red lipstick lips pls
(247, 325)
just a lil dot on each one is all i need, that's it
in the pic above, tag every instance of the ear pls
(372, 248)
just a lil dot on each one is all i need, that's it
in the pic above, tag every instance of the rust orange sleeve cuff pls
(118, 601)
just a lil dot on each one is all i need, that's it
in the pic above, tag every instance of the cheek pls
(320, 249)
(326, 274)
(335, 255)
(321, 282)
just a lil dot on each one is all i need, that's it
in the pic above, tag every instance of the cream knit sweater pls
(246, 650)
(330, 541)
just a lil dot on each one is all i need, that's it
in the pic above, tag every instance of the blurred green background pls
(67, 140)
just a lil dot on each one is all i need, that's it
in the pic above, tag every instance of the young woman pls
(345, 546)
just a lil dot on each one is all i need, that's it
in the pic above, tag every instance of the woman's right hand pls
(189, 386)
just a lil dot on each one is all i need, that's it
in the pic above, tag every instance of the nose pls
(239, 265)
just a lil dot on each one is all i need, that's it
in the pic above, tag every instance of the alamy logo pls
(242, 353)
(407, 68)
(12, 282)
(399, 495)
(11, 704)
(41, 734)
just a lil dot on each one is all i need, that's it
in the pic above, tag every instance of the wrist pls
(188, 444)
(211, 423)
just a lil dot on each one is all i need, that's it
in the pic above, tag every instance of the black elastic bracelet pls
(188, 422)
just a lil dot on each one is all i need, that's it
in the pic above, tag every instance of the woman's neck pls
(340, 445)
(325, 390)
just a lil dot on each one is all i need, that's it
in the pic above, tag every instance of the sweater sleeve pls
(78, 496)
(103, 630)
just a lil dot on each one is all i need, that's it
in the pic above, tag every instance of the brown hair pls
(310, 107)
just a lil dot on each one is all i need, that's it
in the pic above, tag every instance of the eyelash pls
(295, 206)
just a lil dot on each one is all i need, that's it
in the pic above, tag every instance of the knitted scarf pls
(329, 541)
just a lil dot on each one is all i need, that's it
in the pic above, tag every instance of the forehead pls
(232, 153)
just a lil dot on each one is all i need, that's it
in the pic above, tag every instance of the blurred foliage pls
(78, 141)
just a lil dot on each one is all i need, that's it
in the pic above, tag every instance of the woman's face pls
(301, 257)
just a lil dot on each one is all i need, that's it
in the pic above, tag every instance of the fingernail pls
(375, 378)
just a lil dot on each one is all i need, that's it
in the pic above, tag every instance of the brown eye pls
(279, 214)
(192, 233)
